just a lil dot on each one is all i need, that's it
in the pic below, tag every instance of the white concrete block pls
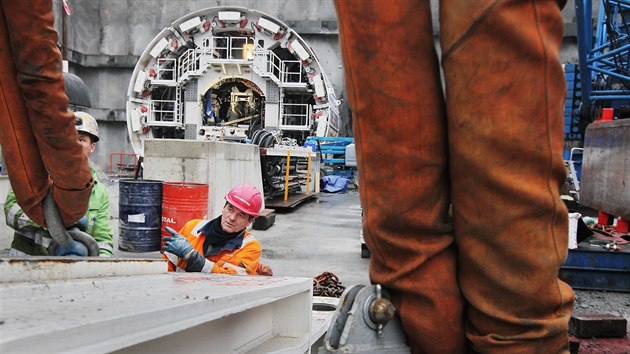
(221, 165)
(156, 312)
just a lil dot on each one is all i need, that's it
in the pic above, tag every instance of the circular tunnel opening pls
(233, 100)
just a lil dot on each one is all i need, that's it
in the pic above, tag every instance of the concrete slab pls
(154, 312)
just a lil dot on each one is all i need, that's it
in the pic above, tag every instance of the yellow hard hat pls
(86, 123)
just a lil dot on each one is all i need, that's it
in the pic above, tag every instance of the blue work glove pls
(76, 249)
(82, 224)
(179, 246)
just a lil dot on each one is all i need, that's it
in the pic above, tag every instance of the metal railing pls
(228, 48)
(221, 49)
(295, 116)
(164, 113)
(215, 49)
(188, 63)
(282, 72)
(122, 164)
(165, 69)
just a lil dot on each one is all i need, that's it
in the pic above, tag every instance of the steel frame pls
(604, 57)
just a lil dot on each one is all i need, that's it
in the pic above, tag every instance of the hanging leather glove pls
(179, 246)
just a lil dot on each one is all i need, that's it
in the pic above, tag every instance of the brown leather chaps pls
(485, 139)
(37, 134)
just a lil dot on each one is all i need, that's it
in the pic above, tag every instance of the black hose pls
(60, 235)
(87, 240)
(79, 236)
(53, 221)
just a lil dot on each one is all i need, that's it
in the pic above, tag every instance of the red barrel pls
(181, 202)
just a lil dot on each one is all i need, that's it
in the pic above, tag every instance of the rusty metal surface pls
(606, 168)
(41, 269)
(327, 284)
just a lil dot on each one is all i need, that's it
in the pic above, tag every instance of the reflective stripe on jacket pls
(241, 261)
(32, 239)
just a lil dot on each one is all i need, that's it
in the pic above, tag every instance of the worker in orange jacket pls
(222, 245)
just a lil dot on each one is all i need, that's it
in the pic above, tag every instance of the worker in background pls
(489, 142)
(36, 129)
(222, 245)
(32, 239)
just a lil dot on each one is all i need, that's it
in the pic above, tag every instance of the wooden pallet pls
(292, 201)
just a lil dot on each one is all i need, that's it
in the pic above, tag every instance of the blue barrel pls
(139, 215)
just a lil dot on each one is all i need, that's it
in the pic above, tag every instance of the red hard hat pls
(245, 198)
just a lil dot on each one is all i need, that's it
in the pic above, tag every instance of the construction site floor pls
(323, 235)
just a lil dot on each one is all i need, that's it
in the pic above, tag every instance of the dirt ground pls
(601, 302)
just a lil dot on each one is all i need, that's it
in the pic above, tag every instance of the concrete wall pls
(104, 39)
(219, 164)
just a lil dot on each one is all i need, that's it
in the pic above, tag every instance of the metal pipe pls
(308, 172)
(286, 183)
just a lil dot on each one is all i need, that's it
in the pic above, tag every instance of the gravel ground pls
(588, 301)
(322, 235)
(601, 302)
(613, 303)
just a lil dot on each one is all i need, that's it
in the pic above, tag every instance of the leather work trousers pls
(37, 133)
(486, 141)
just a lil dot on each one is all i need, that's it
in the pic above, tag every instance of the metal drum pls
(140, 211)
(181, 202)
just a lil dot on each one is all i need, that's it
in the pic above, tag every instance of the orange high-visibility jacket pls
(242, 261)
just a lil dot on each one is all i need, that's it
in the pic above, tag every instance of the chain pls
(327, 284)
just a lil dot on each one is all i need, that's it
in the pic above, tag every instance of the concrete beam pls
(153, 312)
(597, 325)
(221, 165)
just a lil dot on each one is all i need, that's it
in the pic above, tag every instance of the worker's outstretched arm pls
(242, 262)
(38, 138)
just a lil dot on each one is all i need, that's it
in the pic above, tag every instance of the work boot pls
(38, 135)
(505, 94)
(393, 85)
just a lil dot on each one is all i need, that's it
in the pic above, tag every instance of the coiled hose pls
(60, 235)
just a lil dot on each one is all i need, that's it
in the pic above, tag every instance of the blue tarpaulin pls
(334, 184)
